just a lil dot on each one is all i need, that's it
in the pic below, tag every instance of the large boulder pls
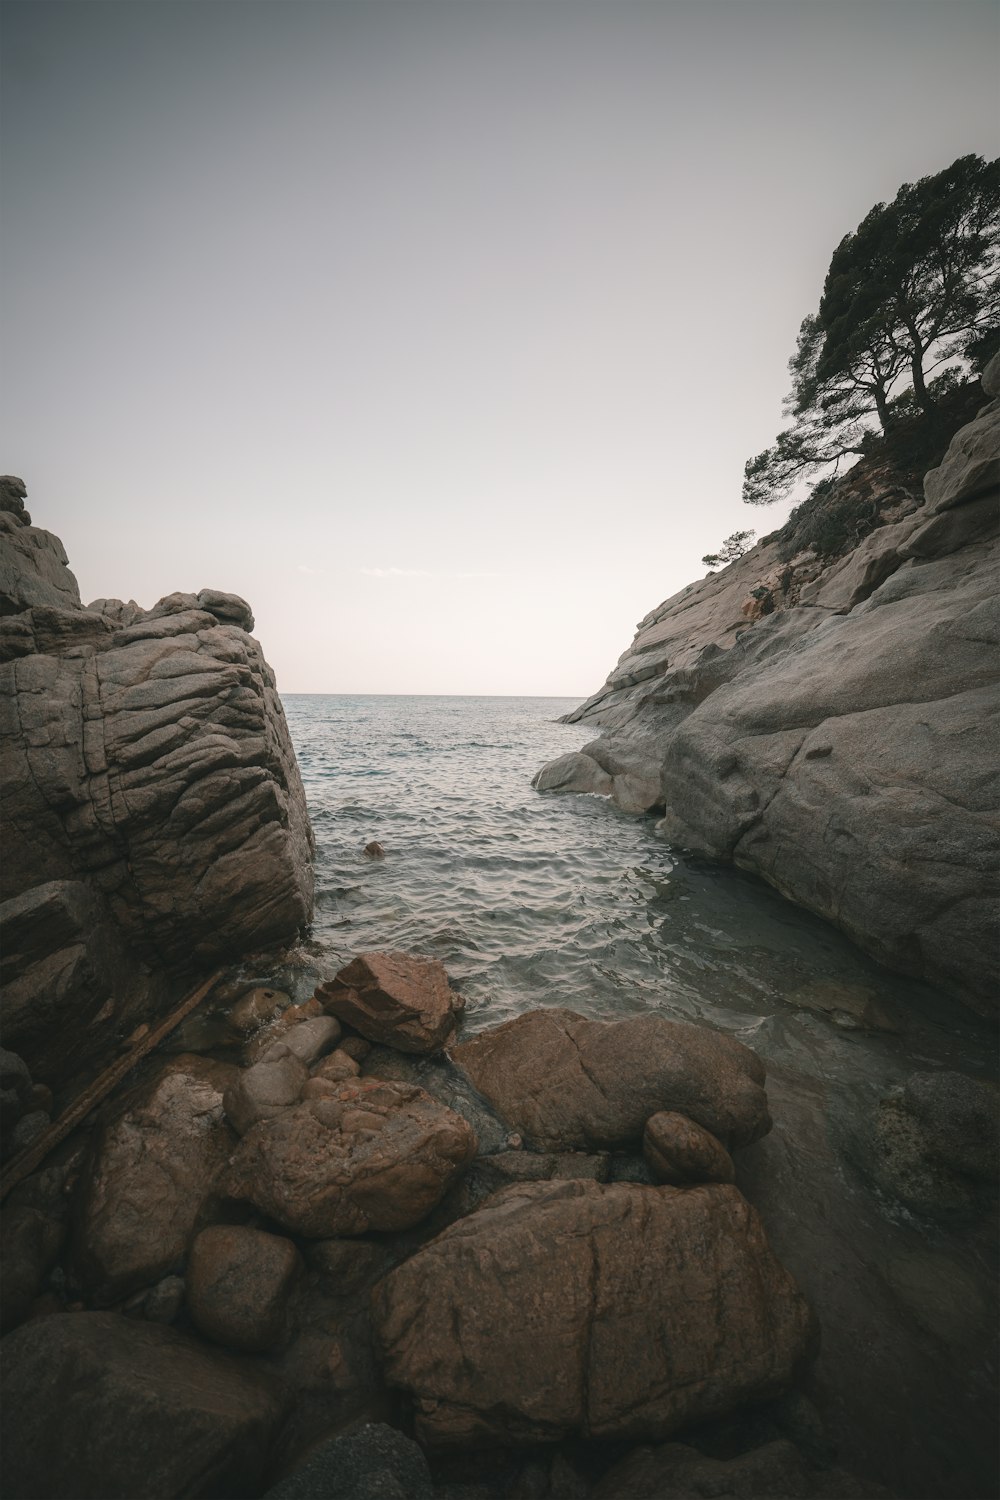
(842, 743)
(566, 1083)
(613, 1312)
(160, 764)
(396, 998)
(370, 1155)
(152, 1180)
(102, 1407)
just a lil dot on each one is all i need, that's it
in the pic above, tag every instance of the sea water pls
(534, 899)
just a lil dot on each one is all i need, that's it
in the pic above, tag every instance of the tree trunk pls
(919, 385)
(882, 406)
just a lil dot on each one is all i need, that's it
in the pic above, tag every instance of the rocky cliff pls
(153, 818)
(833, 726)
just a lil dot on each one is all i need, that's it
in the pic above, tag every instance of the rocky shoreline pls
(830, 723)
(319, 1242)
(497, 1272)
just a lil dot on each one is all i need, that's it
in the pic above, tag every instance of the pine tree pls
(914, 289)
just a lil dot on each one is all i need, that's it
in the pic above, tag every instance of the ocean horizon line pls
(314, 693)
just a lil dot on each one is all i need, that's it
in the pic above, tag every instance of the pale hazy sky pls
(440, 331)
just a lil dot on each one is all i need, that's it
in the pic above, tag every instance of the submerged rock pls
(567, 1083)
(102, 1407)
(935, 1143)
(605, 1311)
(396, 998)
(371, 1155)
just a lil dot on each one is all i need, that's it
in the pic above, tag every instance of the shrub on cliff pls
(733, 548)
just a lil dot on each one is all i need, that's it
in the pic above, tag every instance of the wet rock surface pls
(567, 1308)
(567, 1083)
(396, 998)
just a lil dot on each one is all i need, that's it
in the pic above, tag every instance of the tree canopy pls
(913, 290)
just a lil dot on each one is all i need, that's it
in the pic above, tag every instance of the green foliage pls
(733, 548)
(913, 290)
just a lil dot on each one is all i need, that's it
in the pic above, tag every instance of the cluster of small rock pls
(533, 1239)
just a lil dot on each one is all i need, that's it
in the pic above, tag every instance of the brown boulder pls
(262, 1091)
(151, 1179)
(395, 998)
(102, 1407)
(566, 1083)
(372, 1155)
(679, 1151)
(616, 1312)
(238, 1284)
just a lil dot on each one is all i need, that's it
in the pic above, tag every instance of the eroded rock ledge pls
(153, 819)
(835, 728)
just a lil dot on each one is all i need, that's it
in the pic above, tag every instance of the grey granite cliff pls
(153, 816)
(835, 728)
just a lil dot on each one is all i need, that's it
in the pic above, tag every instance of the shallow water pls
(536, 900)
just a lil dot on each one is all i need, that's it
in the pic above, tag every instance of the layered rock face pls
(153, 811)
(835, 729)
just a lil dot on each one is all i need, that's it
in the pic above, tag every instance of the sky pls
(440, 331)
